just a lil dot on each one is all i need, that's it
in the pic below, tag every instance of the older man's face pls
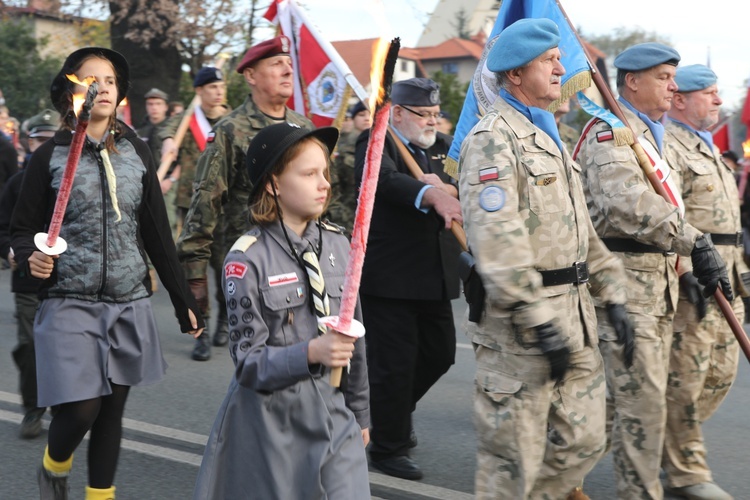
(541, 81)
(702, 107)
(271, 78)
(651, 91)
(417, 123)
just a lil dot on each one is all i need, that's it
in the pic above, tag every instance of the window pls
(450, 68)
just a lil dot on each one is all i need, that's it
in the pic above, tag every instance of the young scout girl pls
(95, 332)
(283, 431)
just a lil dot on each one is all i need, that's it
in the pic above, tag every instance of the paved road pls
(167, 426)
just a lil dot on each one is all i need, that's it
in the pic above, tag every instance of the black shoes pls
(31, 425)
(202, 349)
(52, 487)
(221, 336)
(398, 466)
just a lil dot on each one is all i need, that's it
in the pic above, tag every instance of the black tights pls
(103, 416)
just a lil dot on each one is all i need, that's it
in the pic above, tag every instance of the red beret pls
(269, 48)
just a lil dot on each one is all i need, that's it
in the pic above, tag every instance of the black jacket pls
(410, 255)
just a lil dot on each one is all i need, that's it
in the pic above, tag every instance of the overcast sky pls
(720, 25)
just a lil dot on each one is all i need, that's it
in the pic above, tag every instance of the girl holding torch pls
(284, 430)
(94, 331)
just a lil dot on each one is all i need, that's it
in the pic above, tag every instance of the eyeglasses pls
(424, 116)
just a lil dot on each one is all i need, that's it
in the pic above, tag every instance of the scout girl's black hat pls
(270, 143)
(60, 89)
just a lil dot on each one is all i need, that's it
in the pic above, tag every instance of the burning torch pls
(50, 243)
(384, 62)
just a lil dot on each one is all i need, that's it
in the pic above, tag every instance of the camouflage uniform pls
(222, 187)
(343, 186)
(623, 205)
(542, 225)
(568, 135)
(704, 356)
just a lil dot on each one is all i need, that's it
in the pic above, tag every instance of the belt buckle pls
(582, 271)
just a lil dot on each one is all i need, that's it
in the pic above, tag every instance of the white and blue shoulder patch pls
(492, 198)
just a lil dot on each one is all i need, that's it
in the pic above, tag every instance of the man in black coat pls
(410, 274)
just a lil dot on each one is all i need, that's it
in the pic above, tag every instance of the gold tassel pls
(450, 167)
(111, 182)
(577, 83)
(623, 136)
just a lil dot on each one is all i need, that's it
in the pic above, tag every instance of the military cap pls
(357, 108)
(156, 94)
(271, 142)
(694, 77)
(269, 48)
(521, 43)
(44, 124)
(446, 115)
(61, 89)
(416, 92)
(207, 75)
(646, 55)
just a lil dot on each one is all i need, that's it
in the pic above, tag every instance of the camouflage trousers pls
(702, 367)
(536, 439)
(636, 404)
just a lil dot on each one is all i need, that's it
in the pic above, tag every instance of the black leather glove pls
(694, 291)
(473, 287)
(620, 320)
(553, 346)
(709, 268)
(199, 289)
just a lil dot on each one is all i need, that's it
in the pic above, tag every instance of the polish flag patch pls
(282, 279)
(489, 174)
(235, 270)
(210, 137)
(604, 136)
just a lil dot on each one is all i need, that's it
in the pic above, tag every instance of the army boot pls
(221, 335)
(202, 349)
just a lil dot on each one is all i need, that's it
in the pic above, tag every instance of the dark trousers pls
(23, 354)
(410, 345)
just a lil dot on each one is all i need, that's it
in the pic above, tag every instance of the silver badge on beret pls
(435, 96)
(218, 75)
(284, 44)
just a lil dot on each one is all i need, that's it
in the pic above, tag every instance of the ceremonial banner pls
(321, 75)
(720, 135)
(746, 111)
(483, 89)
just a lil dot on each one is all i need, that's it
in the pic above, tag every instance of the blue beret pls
(416, 92)
(694, 77)
(646, 55)
(521, 43)
(207, 75)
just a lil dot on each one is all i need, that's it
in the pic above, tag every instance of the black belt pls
(627, 245)
(577, 273)
(734, 239)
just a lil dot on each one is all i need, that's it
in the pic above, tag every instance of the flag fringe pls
(575, 84)
(450, 167)
(623, 136)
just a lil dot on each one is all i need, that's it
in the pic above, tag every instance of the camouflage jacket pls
(187, 159)
(568, 135)
(343, 186)
(524, 212)
(709, 191)
(222, 186)
(622, 204)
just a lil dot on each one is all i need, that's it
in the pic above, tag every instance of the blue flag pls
(483, 89)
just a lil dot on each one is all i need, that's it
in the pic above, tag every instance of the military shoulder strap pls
(330, 226)
(246, 240)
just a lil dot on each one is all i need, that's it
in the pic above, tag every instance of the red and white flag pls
(321, 74)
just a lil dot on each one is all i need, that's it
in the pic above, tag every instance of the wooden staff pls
(171, 156)
(645, 164)
(416, 172)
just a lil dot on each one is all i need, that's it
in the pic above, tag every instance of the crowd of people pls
(594, 316)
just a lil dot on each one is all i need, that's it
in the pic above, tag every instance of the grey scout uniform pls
(625, 209)
(704, 356)
(222, 186)
(282, 431)
(524, 212)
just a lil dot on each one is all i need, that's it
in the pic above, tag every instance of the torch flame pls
(80, 98)
(379, 53)
(746, 148)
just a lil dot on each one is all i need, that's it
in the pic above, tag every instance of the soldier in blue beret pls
(539, 371)
(704, 355)
(648, 234)
(410, 273)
